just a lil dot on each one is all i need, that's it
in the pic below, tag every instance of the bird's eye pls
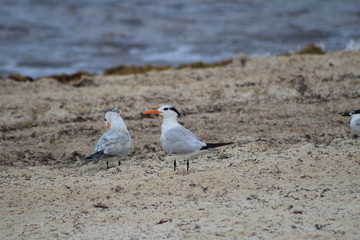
(165, 109)
(105, 119)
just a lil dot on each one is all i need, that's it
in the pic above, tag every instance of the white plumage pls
(115, 142)
(355, 121)
(177, 140)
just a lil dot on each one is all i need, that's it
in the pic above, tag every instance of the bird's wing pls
(180, 140)
(114, 142)
(97, 156)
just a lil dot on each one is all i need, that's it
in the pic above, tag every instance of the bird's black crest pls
(346, 114)
(175, 110)
(112, 110)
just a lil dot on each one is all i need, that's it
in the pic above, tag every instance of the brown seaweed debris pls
(20, 78)
(307, 49)
(120, 70)
(311, 49)
(66, 78)
(126, 70)
(196, 65)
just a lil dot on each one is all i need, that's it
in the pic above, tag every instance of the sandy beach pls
(293, 171)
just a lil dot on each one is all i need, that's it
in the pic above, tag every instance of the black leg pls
(119, 162)
(107, 165)
(187, 164)
(174, 164)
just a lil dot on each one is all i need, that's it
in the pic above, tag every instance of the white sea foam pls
(184, 54)
(353, 45)
(180, 54)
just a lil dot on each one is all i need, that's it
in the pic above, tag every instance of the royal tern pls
(177, 140)
(355, 120)
(115, 142)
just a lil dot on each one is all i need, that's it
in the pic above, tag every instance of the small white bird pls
(115, 142)
(177, 140)
(355, 120)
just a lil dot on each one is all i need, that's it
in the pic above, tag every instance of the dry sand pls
(293, 172)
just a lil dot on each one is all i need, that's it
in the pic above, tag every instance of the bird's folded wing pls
(114, 143)
(180, 140)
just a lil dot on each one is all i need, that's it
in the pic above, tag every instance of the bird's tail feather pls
(214, 145)
(97, 156)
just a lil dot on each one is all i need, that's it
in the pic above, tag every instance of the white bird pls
(115, 142)
(355, 120)
(177, 140)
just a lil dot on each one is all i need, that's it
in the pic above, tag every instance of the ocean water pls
(42, 37)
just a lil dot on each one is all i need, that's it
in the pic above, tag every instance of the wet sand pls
(293, 172)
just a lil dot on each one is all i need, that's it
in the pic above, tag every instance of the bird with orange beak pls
(178, 141)
(115, 142)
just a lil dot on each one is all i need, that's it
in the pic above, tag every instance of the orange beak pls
(107, 125)
(152, 112)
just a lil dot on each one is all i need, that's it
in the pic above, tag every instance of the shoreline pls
(140, 69)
